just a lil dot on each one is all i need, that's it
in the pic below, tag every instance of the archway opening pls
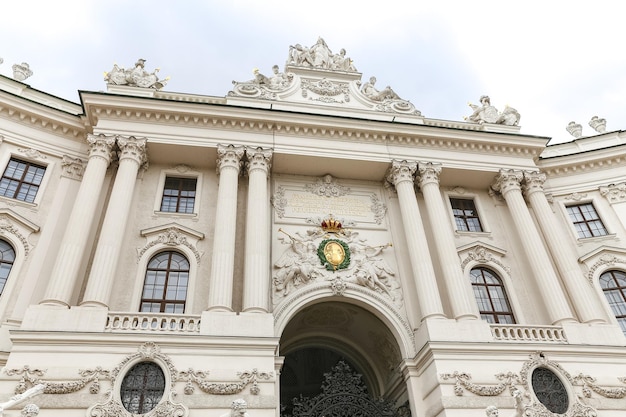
(332, 335)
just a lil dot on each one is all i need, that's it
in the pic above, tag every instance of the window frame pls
(48, 167)
(181, 171)
(164, 301)
(465, 217)
(3, 285)
(507, 298)
(573, 224)
(622, 290)
(179, 197)
(464, 195)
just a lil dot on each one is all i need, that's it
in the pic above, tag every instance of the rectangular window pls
(21, 180)
(465, 215)
(179, 195)
(586, 220)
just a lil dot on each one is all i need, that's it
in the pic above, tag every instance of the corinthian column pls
(222, 265)
(401, 176)
(72, 251)
(131, 156)
(508, 183)
(459, 287)
(257, 261)
(585, 300)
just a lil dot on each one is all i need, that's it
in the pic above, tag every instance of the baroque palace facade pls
(307, 245)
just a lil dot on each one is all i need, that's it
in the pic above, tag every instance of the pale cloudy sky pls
(554, 61)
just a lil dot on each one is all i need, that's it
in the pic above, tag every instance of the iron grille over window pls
(179, 195)
(491, 296)
(550, 391)
(613, 283)
(142, 388)
(21, 180)
(465, 215)
(165, 286)
(586, 220)
(7, 257)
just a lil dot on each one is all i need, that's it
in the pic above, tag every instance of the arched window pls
(165, 286)
(491, 297)
(613, 283)
(142, 388)
(7, 257)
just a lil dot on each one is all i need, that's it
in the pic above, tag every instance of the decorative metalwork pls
(343, 394)
(142, 387)
(549, 390)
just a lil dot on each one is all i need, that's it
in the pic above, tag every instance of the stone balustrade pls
(152, 322)
(522, 333)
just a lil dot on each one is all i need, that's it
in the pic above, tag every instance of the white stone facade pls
(322, 220)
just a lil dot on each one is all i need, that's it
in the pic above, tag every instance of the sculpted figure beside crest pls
(486, 113)
(319, 56)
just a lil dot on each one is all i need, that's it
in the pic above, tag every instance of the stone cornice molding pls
(362, 127)
(40, 116)
(614, 193)
(591, 161)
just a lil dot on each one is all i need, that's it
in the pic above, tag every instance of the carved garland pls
(31, 377)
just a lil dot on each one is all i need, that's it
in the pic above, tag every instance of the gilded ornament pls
(334, 254)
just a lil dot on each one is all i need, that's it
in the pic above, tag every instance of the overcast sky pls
(554, 61)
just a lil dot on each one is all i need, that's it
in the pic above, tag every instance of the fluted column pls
(257, 258)
(132, 155)
(222, 265)
(585, 301)
(458, 286)
(72, 250)
(508, 183)
(401, 176)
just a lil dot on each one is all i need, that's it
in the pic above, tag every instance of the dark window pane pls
(165, 284)
(179, 195)
(21, 180)
(490, 296)
(586, 220)
(549, 390)
(613, 284)
(465, 215)
(142, 387)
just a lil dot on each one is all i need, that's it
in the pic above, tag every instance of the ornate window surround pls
(462, 193)
(598, 262)
(179, 171)
(169, 237)
(32, 156)
(480, 254)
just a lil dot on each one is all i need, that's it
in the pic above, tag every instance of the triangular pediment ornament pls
(603, 258)
(316, 75)
(482, 253)
(171, 234)
(17, 228)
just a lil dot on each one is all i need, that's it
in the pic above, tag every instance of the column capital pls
(614, 193)
(132, 148)
(229, 156)
(258, 158)
(401, 171)
(533, 182)
(101, 146)
(73, 168)
(428, 173)
(508, 180)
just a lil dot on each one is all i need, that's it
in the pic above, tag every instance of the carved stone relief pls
(483, 254)
(173, 236)
(303, 262)
(521, 386)
(614, 193)
(135, 77)
(73, 168)
(605, 259)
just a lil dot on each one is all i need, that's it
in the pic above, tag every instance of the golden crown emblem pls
(331, 225)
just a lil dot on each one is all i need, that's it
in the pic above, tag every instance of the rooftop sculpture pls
(486, 113)
(317, 75)
(135, 77)
(21, 71)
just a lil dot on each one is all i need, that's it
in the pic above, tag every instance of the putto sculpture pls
(486, 113)
(135, 77)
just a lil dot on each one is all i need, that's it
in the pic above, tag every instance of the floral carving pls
(615, 193)
(483, 255)
(279, 202)
(327, 186)
(378, 208)
(32, 153)
(6, 226)
(576, 196)
(605, 259)
(223, 388)
(326, 89)
(73, 167)
(462, 380)
(31, 378)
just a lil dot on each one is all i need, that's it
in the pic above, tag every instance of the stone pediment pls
(317, 76)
